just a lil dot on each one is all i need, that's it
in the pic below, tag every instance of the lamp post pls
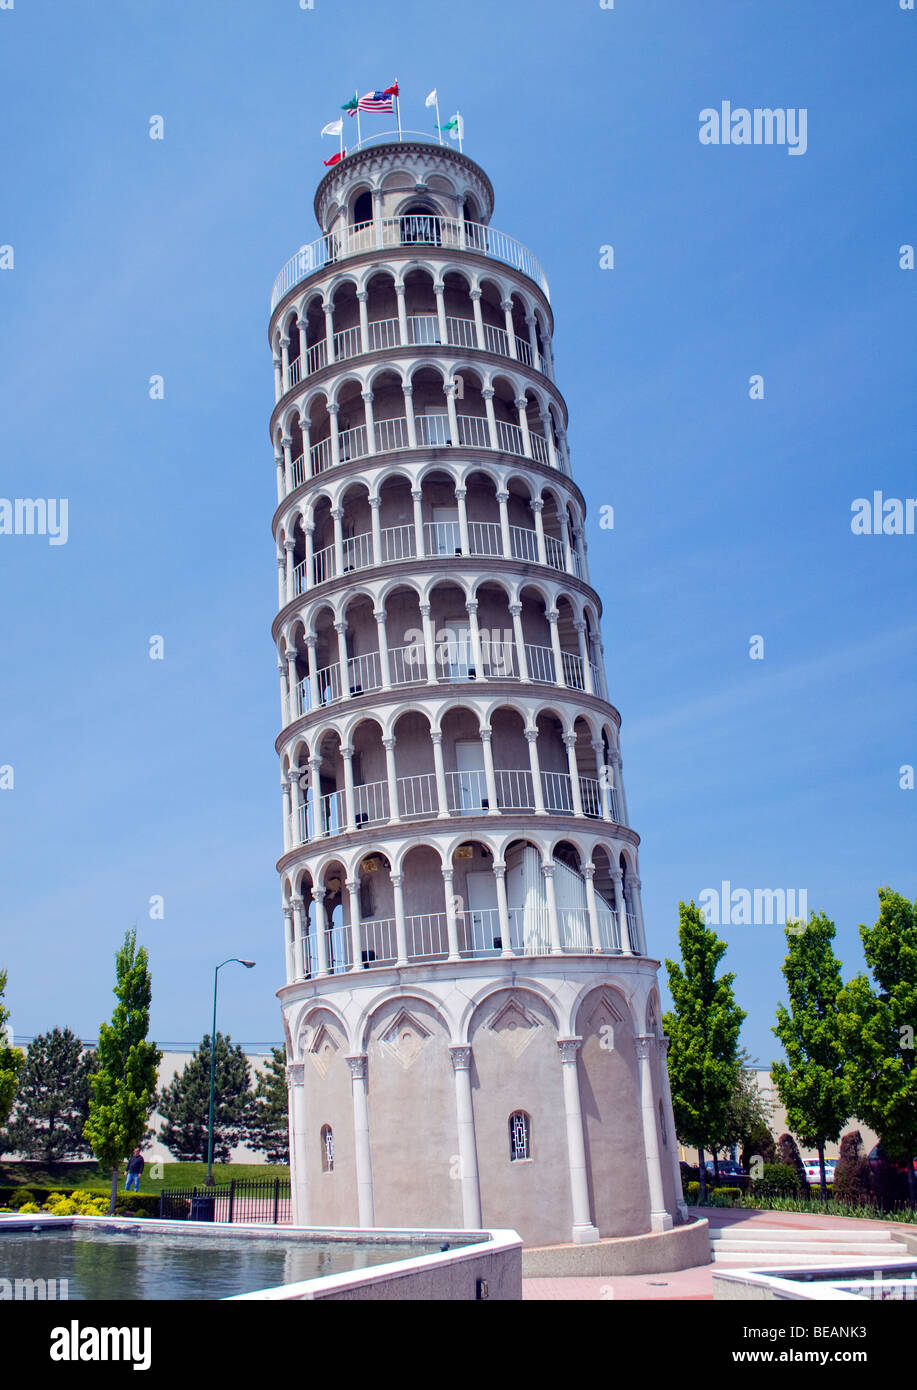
(208, 1181)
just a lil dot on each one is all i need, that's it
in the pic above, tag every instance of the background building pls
(472, 1020)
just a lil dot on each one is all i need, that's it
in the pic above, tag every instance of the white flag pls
(431, 99)
(334, 128)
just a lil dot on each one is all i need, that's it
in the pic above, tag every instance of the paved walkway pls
(695, 1283)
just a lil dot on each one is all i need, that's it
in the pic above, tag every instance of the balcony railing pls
(409, 230)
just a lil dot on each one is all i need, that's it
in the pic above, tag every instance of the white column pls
(660, 1219)
(294, 775)
(349, 793)
(362, 300)
(471, 608)
(451, 928)
(321, 940)
(328, 308)
(378, 197)
(669, 1115)
(310, 554)
(370, 421)
(337, 516)
(468, 1152)
(375, 506)
(315, 783)
(553, 920)
(394, 810)
(502, 500)
(429, 642)
(442, 799)
(601, 773)
(616, 762)
(503, 910)
(417, 497)
(382, 638)
(634, 884)
(478, 319)
(552, 616)
(297, 1122)
(548, 428)
(356, 935)
(285, 363)
(282, 486)
(299, 950)
(489, 775)
(519, 638)
(449, 393)
(520, 405)
(286, 444)
(402, 316)
(401, 934)
(533, 341)
(580, 626)
(488, 396)
(621, 911)
(573, 770)
(531, 736)
(537, 507)
(288, 941)
(507, 306)
(312, 644)
(438, 288)
(278, 380)
(584, 1231)
(333, 409)
(460, 494)
(305, 424)
(595, 932)
(286, 705)
(281, 579)
(363, 1152)
(408, 393)
(303, 327)
(565, 541)
(289, 547)
(287, 826)
(341, 630)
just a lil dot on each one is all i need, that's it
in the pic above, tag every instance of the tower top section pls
(401, 176)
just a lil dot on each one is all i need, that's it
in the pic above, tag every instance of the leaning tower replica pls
(472, 1022)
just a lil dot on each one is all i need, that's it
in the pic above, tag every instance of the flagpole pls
(359, 136)
(439, 127)
(398, 110)
(342, 137)
(459, 114)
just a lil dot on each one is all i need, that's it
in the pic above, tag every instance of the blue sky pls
(732, 517)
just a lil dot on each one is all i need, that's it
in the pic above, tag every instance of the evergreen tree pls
(811, 1083)
(878, 1031)
(788, 1154)
(53, 1102)
(185, 1102)
(704, 1031)
(11, 1059)
(268, 1119)
(124, 1086)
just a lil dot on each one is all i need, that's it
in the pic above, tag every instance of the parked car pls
(728, 1169)
(877, 1155)
(813, 1173)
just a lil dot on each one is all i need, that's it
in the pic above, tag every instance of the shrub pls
(788, 1154)
(780, 1177)
(692, 1193)
(29, 1208)
(851, 1176)
(19, 1196)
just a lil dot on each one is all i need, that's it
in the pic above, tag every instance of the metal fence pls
(252, 1200)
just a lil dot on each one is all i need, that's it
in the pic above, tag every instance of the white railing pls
(391, 434)
(406, 231)
(317, 356)
(320, 454)
(384, 333)
(300, 578)
(302, 698)
(466, 792)
(347, 344)
(339, 946)
(524, 543)
(609, 933)
(632, 932)
(598, 679)
(524, 351)
(329, 683)
(479, 931)
(539, 447)
(498, 659)
(573, 924)
(558, 796)
(509, 438)
(555, 553)
(417, 795)
(461, 332)
(573, 671)
(514, 789)
(352, 443)
(427, 935)
(590, 793)
(432, 431)
(423, 330)
(496, 340)
(379, 941)
(540, 661)
(364, 673)
(408, 665)
(323, 563)
(485, 538)
(333, 813)
(370, 800)
(442, 538)
(473, 432)
(294, 374)
(397, 543)
(303, 827)
(299, 471)
(358, 552)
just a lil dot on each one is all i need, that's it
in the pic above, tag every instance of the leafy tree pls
(748, 1113)
(812, 1082)
(267, 1125)
(877, 1028)
(184, 1103)
(758, 1143)
(704, 1032)
(53, 1102)
(11, 1059)
(124, 1086)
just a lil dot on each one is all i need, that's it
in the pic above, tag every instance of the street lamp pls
(208, 1181)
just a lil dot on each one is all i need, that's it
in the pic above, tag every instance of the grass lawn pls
(70, 1176)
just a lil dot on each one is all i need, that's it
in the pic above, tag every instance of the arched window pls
(520, 1136)
(327, 1139)
(420, 223)
(363, 209)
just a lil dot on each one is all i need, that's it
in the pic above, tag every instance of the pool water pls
(100, 1264)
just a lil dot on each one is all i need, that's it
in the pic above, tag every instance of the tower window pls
(363, 209)
(327, 1139)
(520, 1136)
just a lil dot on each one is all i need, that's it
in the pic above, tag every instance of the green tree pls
(812, 1083)
(11, 1059)
(267, 1124)
(184, 1103)
(124, 1086)
(748, 1114)
(877, 1028)
(53, 1102)
(704, 1032)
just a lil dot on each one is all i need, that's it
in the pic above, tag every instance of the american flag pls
(378, 101)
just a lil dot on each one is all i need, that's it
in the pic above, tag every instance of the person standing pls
(135, 1167)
